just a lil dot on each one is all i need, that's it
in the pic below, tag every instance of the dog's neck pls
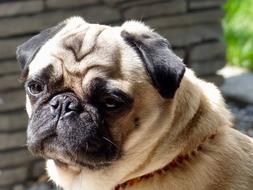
(179, 160)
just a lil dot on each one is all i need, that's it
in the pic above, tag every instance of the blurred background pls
(214, 37)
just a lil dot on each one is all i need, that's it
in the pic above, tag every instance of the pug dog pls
(114, 108)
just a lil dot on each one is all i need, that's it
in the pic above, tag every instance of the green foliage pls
(238, 29)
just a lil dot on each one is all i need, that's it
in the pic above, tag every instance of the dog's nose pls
(64, 104)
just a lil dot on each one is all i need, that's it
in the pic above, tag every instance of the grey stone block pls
(212, 50)
(100, 14)
(202, 17)
(207, 67)
(12, 175)
(9, 67)
(238, 84)
(115, 2)
(125, 4)
(38, 169)
(207, 58)
(12, 100)
(35, 23)
(13, 121)
(8, 46)
(67, 3)
(218, 80)
(15, 140)
(184, 36)
(9, 82)
(180, 53)
(18, 187)
(14, 158)
(44, 186)
(20, 7)
(200, 4)
(155, 9)
(24, 24)
(5, 188)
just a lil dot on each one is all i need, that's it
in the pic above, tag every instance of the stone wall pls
(192, 26)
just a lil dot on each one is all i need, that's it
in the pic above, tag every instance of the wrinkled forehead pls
(78, 47)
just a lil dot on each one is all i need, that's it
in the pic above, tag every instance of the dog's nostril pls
(55, 107)
(73, 106)
(54, 103)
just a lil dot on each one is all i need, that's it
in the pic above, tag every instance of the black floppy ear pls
(27, 51)
(163, 67)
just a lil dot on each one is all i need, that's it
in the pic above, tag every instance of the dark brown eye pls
(35, 87)
(111, 103)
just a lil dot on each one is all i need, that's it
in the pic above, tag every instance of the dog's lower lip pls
(77, 164)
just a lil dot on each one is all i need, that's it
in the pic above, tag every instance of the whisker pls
(110, 141)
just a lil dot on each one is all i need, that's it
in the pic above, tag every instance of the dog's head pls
(89, 87)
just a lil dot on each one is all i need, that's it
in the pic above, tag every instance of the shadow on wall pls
(192, 26)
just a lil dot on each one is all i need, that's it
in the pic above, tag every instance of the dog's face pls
(90, 87)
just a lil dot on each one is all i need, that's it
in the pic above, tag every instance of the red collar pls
(179, 160)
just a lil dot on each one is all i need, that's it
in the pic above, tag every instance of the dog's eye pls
(35, 87)
(111, 103)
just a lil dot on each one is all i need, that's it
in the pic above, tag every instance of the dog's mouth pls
(65, 161)
(75, 165)
(68, 152)
(93, 153)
